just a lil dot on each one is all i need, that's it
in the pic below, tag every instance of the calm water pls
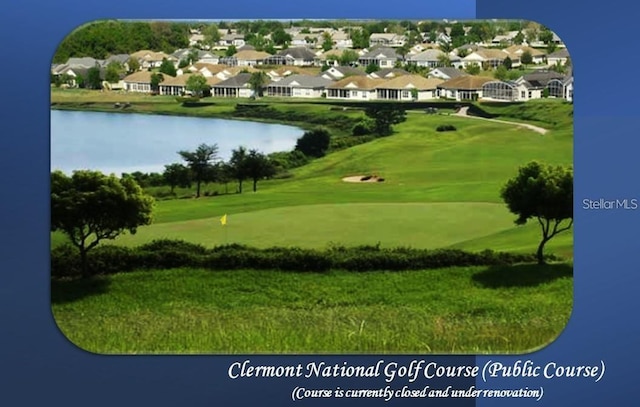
(117, 143)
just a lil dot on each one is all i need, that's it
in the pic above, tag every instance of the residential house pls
(235, 39)
(446, 72)
(306, 40)
(139, 82)
(515, 53)
(430, 58)
(302, 86)
(467, 87)
(331, 57)
(341, 39)
(287, 70)
(354, 88)
(408, 88)
(387, 40)
(196, 40)
(382, 57)
(178, 86)
(558, 57)
(485, 58)
(236, 86)
(508, 91)
(84, 62)
(150, 59)
(297, 56)
(557, 85)
(122, 59)
(504, 39)
(336, 73)
(388, 73)
(73, 73)
(250, 58)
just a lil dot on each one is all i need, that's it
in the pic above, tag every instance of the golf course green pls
(436, 190)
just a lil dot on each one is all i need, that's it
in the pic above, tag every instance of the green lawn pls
(439, 190)
(458, 310)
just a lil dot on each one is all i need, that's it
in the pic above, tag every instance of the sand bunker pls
(363, 178)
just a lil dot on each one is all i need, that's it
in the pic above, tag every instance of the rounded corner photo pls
(311, 187)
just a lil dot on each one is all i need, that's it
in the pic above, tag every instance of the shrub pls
(166, 254)
(446, 127)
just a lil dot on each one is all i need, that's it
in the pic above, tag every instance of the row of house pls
(344, 84)
(313, 37)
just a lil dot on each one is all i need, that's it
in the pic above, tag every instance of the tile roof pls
(303, 81)
(411, 82)
(357, 82)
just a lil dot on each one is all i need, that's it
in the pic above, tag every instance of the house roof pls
(121, 58)
(428, 55)
(247, 47)
(238, 81)
(357, 82)
(380, 53)
(297, 53)
(520, 49)
(411, 82)
(561, 53)
(486, 54)
(85, 62)
(331, 52)
(140, 77)
(303, 81)
(468, 82)
(251, 55)
(539, 79)
(148, 55)
(388, 73)
(213, 68)
(451, 71)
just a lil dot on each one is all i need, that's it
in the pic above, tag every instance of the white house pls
(237, 86)
(301, 86)
(408, 88)
(383, 57)
(354, 88)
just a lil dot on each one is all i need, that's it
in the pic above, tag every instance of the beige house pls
(151, 59)
(250, 57)
(408, 88)
(300, 86)
(139, 82)
(237, 86)
(463, 87)
(515, 53)
(355, 88)
(489, 58)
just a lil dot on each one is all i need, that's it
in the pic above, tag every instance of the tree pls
(359, 38)
(257, 167)
(543, 192)
(519, 38)
(500, 73)
(280, 37)
(237, 165)
(372, 68)
(177, 175)
(196, 84)
(231, 51)
(90, 207)
(472, 69)
(384, 117)
(444, 60)
(257, 81)
(167, 67)
(156, 79)
(327, 41)
(113, 72)
(507, 63)
(314, 143)
(526, 58)
(133, 64)
(347, 57)
(200, 161)
(211, 35)
(93, 78)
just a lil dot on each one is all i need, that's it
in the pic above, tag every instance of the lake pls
(118, 142)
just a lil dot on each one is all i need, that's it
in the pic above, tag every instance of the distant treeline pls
(104, 38)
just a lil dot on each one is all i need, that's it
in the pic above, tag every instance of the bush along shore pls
(167, 254)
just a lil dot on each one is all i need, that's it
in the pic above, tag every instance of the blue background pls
(38, 365)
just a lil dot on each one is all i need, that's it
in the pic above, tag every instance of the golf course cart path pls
(463, 113)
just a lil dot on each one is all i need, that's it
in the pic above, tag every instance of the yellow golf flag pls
(223, 219)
